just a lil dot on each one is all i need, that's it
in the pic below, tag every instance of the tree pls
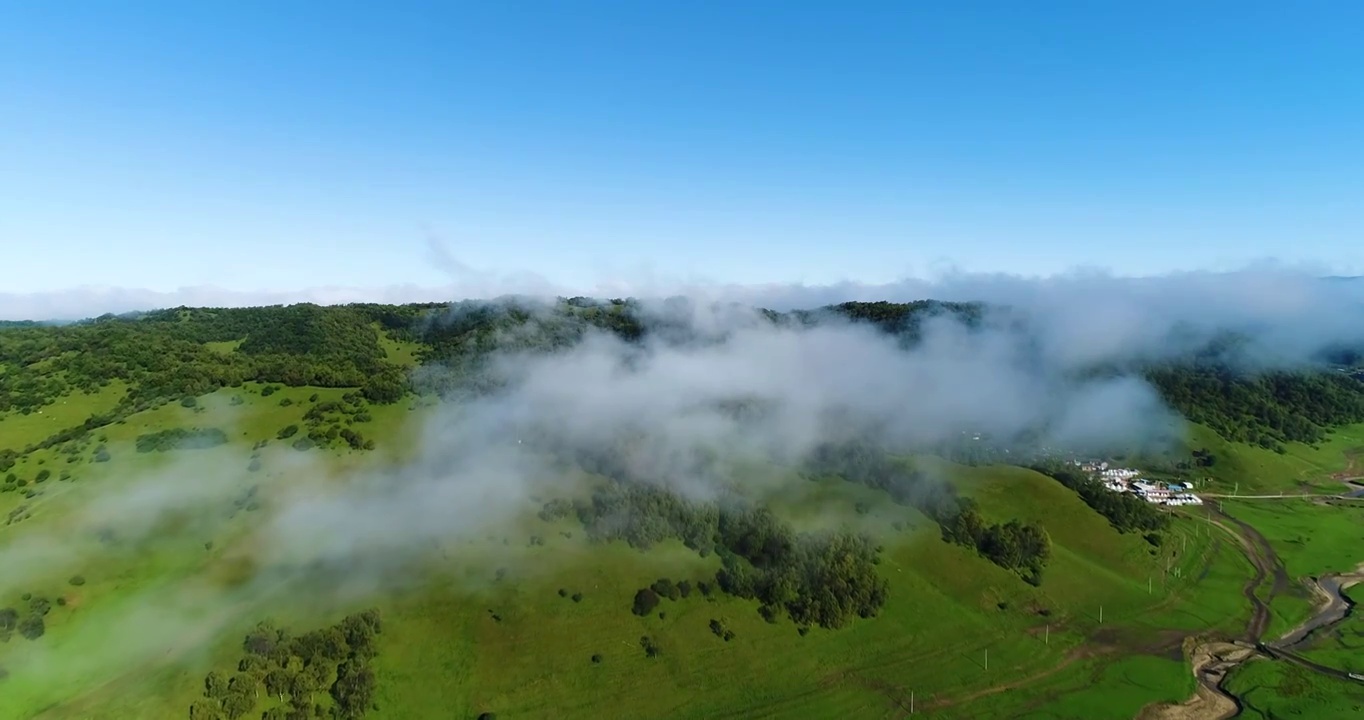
(32, 627)
(237, 704)
(215, 686)
(278, 683)
(645, 602)
(353, 690)
(205, 710)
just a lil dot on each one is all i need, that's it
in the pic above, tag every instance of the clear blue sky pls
(281, 145)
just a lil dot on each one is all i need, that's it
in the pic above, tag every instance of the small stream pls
(1226, 657)
(1339, 608)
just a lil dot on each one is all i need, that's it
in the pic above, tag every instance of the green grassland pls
(18, 429)
(1343, 645)
(1100, 637)
(443, 654)
(1275, 690)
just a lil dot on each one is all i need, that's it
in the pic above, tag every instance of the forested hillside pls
(169, 354)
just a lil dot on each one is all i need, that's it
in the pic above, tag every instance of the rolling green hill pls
(173, 474)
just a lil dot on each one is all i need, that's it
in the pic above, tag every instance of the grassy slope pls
(18, 430)
(944, 615)
(126, 576)
(444, 655)
(1251, 470)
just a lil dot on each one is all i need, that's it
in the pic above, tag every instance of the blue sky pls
(275, 145)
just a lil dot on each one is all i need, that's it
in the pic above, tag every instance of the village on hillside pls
(1118, 479)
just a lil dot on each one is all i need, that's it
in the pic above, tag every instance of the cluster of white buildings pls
(1118, 479)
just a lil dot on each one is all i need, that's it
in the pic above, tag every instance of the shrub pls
(189, 401)
(43, 475)
(77, 580)
(577, 597)
(563, 592)
(287, 432)
(286, 402)
(596, 659)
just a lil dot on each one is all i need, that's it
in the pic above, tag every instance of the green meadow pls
(1343, 645)
(531, 619)
(958, 635)
(1275, 690)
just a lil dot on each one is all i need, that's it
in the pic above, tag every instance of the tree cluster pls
(822, 579)
(181, 439)
(294, 671)
(332, 420)
(1124, 511)
(29, 624)
(1023, 547)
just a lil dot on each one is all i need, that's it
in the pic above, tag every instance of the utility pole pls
(1046, 637)
(987, 659)
(1148, 584)
(1101, 614)
(911, 702)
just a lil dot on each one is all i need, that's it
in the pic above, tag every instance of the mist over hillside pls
(705, 404)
